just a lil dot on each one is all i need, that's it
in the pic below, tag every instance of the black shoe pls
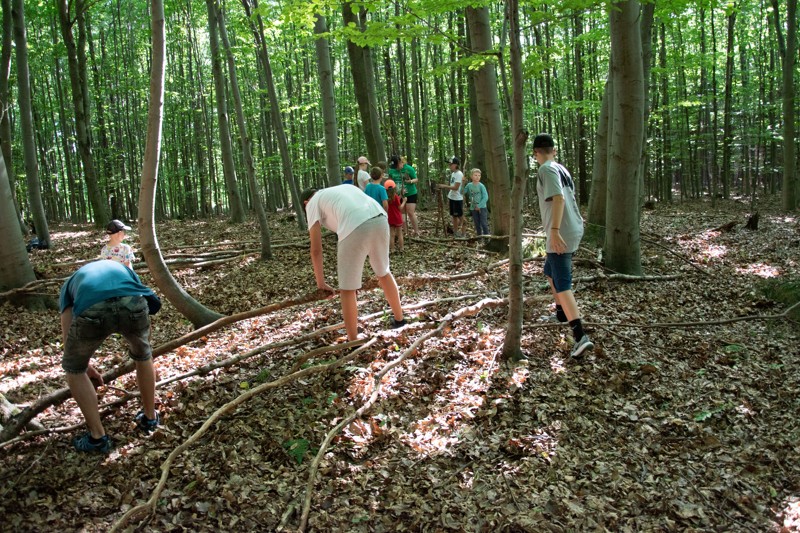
(398, 323)
(146, 424)
(84, 444)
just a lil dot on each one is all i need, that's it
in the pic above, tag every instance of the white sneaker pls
(583, 345)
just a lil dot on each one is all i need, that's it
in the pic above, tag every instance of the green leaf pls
(297, 448)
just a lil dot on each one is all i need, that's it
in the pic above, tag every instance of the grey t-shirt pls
(554, 180)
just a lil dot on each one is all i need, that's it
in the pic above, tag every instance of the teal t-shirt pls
(376, 192)
(99, 281)
(477, 195)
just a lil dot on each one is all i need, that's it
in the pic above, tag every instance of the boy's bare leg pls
(350, 313)
(389, 287)
(146, 381)
(566, 299)
(83, 391)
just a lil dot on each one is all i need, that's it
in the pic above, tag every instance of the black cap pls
(543, 140)
(115, 226)
(394, 161)
(455, 161)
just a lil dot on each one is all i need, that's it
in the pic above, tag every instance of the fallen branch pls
(140, 511)
(378, 383)
(28, 288)
(676, 254)
(54, 398)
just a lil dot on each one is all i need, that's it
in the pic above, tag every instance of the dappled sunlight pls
(759, 269)
(557, 364)
(790, 514)
(455, 404)
(32, 367)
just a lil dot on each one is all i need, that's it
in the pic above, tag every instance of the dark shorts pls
(411, 199)
(559, 267)
(126, 315)
(456, 208)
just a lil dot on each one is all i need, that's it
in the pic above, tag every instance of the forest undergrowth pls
(694, 426)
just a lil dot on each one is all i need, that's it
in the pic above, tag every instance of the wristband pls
(554, 228)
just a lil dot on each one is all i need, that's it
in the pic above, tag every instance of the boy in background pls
(375, 190)
(456, 200)
(477, 197)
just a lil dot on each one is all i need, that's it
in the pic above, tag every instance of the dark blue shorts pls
(559, 268)
(456, 208)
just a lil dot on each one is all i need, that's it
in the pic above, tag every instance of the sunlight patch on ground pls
(457, 401)
(713, 251)
(791, 514)
(33, 367)
(557, 363)
(760, 270)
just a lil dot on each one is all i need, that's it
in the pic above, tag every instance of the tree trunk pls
(583, 190)
(274, 105)
(5, 119)
(26, 122)
(228, 166)
(516, 298)
(727, 132)
(788, 51)
(244, 134)
(491, 126)
(646, 29)
(197, 314)
(326, 90)
(597, 200)
(625, 151)
(97, 199)
(15, 268)
(364, 87)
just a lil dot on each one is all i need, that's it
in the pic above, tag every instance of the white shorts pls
(370, 239)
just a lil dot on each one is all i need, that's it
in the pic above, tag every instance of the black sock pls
(577, 329)
(94, 440)
(560, 315)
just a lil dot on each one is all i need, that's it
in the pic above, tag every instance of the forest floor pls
(673, 423)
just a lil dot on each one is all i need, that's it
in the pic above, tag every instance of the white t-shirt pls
(363, 179)
(456, 176)
(341, 209)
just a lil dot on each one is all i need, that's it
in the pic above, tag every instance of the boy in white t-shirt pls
(115, 249)
(456, 200)
(363, 230)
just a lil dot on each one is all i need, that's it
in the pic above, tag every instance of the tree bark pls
(257, 27)
(15, 267)
(26, 122)
(788, 51)
(228, 166)
(597, 200)
(727, 132)
(5, 119)
(244, 134)
(491, 126)
(623, 246)
(516, 298)
(364, 87)
(197, 314)
(326, 89)
(80, 101)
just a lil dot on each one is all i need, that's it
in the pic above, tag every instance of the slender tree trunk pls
(597, 201)
(257, 27)
(646, 29)
(727, 133)
(5, 117)
(82, 119)
(364, 87)
(491, 127)
(326, 90)
(26, 122)
(583, 190)
(197, 314)
(516, 298)
(228, 165)
(788, 51)
(244, 134)
(625, 150)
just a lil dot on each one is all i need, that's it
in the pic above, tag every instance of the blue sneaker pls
(84, 443)
(145, 424)
(582, 346)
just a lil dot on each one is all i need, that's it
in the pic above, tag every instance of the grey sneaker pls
(582, 346)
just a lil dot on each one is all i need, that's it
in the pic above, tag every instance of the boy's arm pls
(484, 194)
(557, 214)
(386, 205)
(315, 235)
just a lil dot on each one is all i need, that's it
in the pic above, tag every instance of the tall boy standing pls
(563, 226)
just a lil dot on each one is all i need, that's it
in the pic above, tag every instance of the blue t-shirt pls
(98, 281)
(376, 192)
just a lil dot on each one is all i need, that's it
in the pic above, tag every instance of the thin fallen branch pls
(15, 426)
(676, 254)
(148, 508)
(28, 288)
(378, 382)
(620, 277)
